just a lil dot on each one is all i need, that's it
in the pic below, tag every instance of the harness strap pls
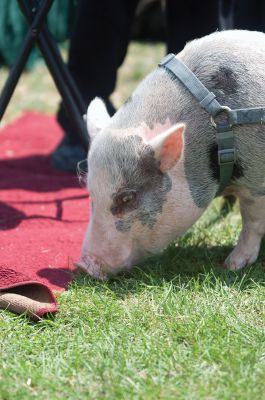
(224, 132)
(206, 99)
(226, 156)
(247, 116)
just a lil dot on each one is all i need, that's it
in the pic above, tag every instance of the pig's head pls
(140, 199)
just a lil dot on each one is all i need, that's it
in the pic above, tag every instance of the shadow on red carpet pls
(43, 211)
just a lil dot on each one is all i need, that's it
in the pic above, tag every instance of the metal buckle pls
(224, 109)
(226, 156)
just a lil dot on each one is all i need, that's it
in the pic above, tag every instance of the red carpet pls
(43, 212)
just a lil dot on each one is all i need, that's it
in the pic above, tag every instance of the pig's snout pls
(94, 266)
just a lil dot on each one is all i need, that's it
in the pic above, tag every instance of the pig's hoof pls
(236, 261)
(233, 265)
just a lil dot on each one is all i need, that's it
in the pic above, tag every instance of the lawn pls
(176, 327)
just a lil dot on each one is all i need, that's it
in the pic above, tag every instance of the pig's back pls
(231, 64)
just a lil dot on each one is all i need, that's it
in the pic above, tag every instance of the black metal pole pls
(22, 57)
(49, 49)
(72, 100)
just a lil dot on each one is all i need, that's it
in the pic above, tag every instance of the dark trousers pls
(102, 31)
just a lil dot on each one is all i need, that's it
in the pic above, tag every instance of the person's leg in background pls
(242, 14)
(193, 19)
(249, 14)
(98, 46)
(189, 19)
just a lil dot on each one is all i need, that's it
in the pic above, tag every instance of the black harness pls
(224, 130)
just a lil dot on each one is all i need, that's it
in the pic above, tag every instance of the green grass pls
(177, 327)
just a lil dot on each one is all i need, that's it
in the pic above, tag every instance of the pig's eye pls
(124, 201)
(127, 198)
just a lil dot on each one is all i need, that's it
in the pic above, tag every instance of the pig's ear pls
(168, 146)
(97, 117)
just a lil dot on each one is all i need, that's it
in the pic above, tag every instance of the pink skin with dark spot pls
(108, 250)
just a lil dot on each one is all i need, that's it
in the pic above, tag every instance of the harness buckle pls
(223, 109)
(226, 156)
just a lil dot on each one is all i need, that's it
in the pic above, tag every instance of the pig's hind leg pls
(253, 229)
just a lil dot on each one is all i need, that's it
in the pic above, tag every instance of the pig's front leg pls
(253, 229)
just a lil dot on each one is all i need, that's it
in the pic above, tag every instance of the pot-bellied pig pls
(154, 167)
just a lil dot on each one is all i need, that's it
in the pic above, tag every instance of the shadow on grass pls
(182, 267)
(226, 206)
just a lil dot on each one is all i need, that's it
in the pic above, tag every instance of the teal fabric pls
(13, 27)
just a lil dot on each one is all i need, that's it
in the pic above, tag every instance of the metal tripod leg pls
(22, 57)
(71, 98)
